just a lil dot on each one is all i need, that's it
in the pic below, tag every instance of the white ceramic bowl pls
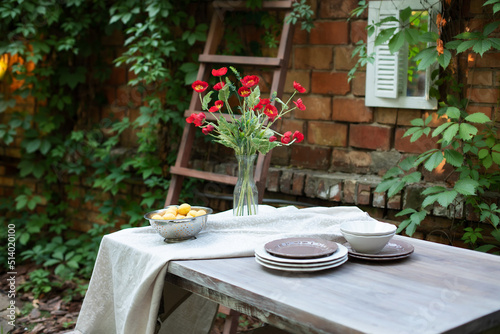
(370, 244)
(176, 230)
(368, 228)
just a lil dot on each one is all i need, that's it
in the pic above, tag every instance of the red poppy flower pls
(250, 80)
(219, 85)
(299, 104)
(244, 91)
(272, 138)
(207, 129)
(219, 104)
(199, 86)
(298, 136)
(196, 119)
(271, 112)
(298, 87)
(264, 102)
(286, 137)
(213, 109)
(220, 72)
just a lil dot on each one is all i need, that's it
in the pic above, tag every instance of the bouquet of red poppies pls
(249, 129)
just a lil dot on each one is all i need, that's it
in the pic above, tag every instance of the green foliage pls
(71, 157)
(467, 141)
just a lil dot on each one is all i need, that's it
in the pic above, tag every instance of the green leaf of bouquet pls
(466, 187)
(467, 131)
(453, 157)
(434, 161)
(478, 117)
(208, 98)
(450, 133)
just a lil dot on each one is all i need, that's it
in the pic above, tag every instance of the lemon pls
(184, 209)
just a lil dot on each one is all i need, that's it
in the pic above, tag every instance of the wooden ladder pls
(278, 64)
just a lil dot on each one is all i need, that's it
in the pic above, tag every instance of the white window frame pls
(386, 78)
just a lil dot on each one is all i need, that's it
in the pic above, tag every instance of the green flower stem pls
(245, 192)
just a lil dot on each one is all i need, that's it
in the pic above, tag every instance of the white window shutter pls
(387, 64)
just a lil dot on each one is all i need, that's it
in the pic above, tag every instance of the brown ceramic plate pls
(393, 250)
(301, 248)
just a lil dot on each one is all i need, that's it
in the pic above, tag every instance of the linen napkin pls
(127, 282)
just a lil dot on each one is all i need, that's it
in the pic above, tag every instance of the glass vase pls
(246, 194)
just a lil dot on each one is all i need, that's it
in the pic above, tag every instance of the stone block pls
(286, 181)
(394, 202)
(349, 191)
(298, 182)
(383, 161)
(363, 194)
(273, 178)
(378, 200)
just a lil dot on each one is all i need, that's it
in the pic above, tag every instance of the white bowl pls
(370, 244)
(366, 228)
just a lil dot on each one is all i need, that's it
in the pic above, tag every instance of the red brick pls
(386, 115)
(351, 161)
(330, 33)
(110, 93)
(317, 107)
(310, 157)
(300, 37)
(330, 83)
(318, 57)
(488, 60)
(349, 191)
(273, 176)
(118, 76)
(472, 109)
(405, 116)
(359, 83)
(302, 77)
(370, 136)
(291, 125)
(358, 31)
(343, 60)
(404, 145)
(337, 9)
(480, 78)
(484, 95)
(394, 202)
(351, 110)
(122, 96)
(327, 133)
(364, 194)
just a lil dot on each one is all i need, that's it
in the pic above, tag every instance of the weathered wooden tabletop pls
(437, 289)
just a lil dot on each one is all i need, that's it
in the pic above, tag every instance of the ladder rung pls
(240, 60)
(243, 4)
(198, 174)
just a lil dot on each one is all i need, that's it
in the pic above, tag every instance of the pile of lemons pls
(178, 212)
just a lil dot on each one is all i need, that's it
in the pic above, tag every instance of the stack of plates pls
(394, 250)
(301, 254)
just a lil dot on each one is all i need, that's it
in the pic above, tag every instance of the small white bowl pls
(371, 244)
(366, 228)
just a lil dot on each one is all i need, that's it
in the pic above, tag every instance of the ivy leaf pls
(411, 35)
(397, 41)
(481, 46)
(444, 59)
(453, 112)
(467, 131)
(440, 129)
(490, 27)
(464, 46)
(33, 145)
(450, 133)
(384, 35)
(466, 187)
(478, 117)
(453, 157)
(72, 79)
(427, 57)
(434, 160)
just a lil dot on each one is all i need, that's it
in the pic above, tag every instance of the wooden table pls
(437, 289)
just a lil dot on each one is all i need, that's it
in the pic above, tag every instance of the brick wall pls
(347, 146)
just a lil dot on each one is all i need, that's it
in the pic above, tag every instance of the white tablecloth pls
(127, 282)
